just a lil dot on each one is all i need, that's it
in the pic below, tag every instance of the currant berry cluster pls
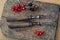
(38, 33)
(18, 7)
(32, 7)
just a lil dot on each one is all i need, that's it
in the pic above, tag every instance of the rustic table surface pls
(50, 1)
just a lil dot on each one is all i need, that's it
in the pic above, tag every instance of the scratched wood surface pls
(4, 37)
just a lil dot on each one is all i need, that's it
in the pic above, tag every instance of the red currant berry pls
(23, 5)
(43, 32)
(16, 9)
(39, 33)
(13, 8)
(23, 8)
(19, 9)
(18, 5)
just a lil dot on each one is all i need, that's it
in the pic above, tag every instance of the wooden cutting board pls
(50, 1)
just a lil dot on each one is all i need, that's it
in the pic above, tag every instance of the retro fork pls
(26, 19)
(31, 24)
